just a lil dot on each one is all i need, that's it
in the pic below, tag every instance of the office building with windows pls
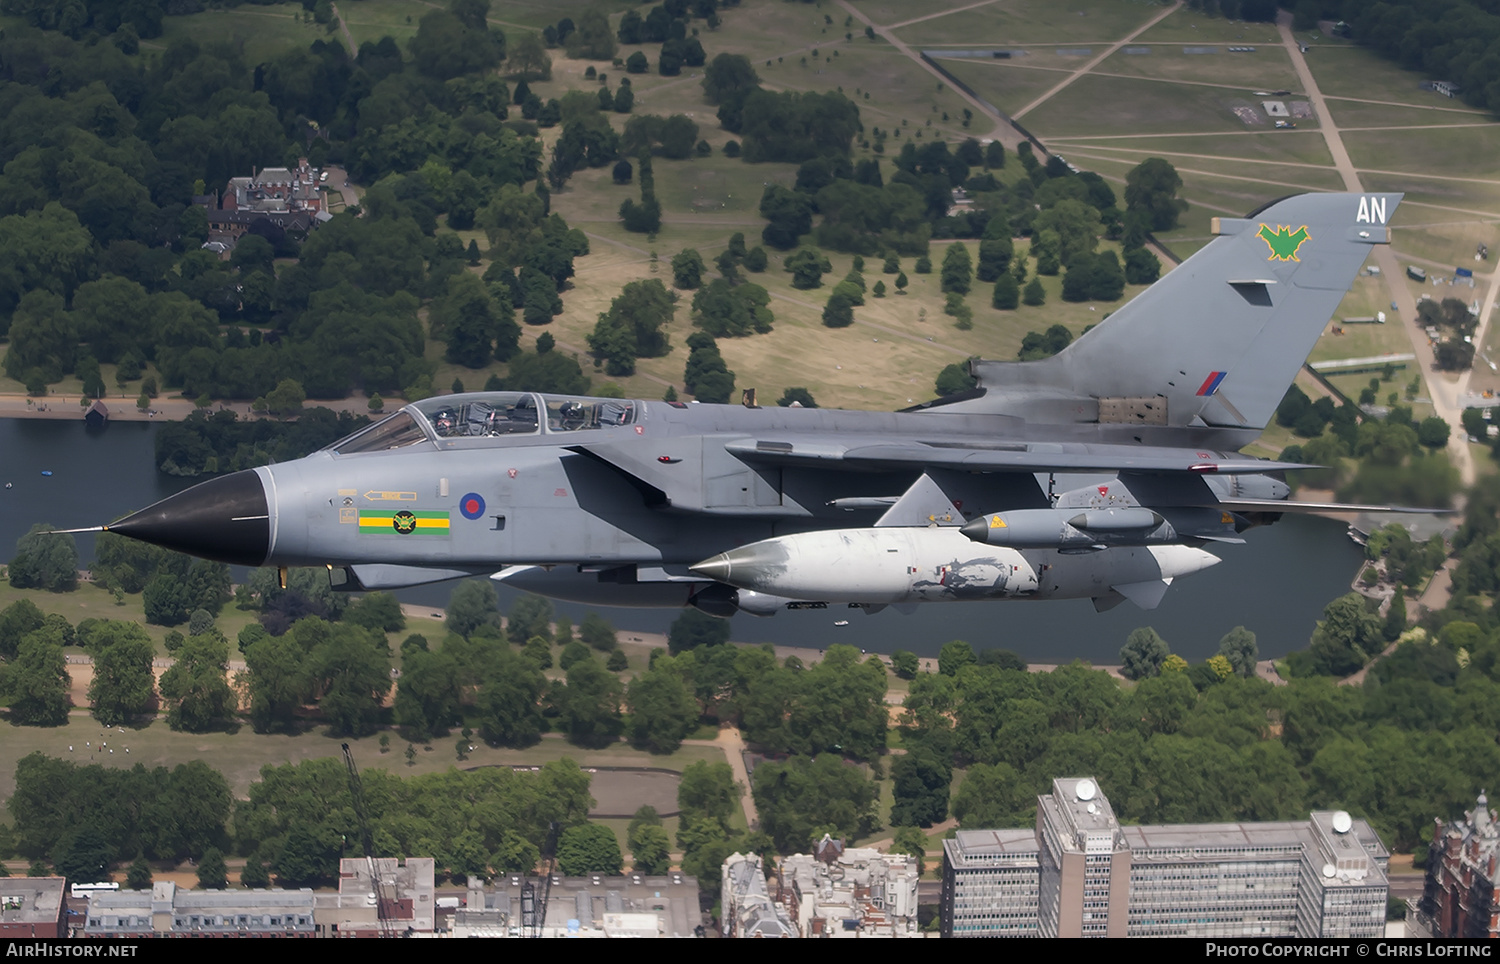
(1080, 873)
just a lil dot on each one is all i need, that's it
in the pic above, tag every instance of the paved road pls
(1443, 391)
(1096, 61)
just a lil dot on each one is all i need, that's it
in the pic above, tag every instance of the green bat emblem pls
(1283, 242)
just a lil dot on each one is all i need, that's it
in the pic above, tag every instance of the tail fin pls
(1218, 340)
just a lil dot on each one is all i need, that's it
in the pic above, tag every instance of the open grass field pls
(1353, 114)
(1355, 72)
(1098, 106)
(1187, 26)
(260, 32)
(1435, 152)
(1007, 84)
(1021, 22)
(240, 756)
(1269, 68)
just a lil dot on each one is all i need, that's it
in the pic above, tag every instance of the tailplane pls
(1218, 340)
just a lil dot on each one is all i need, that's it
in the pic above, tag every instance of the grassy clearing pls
(1009, 85)
(1034, 22)
(369, 20)
(1449, 244)
(887, 12)
(1450, 151)
(1269, 68)
(1271, 146)
(260, 33)
(1194, 171)
(1188, 26)
(240, 756)
(1436, 199)
(1094, 106)
(1352, 113)
(1356, 72)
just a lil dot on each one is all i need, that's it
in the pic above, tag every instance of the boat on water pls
(842, 622)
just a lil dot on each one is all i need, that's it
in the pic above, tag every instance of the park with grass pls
(1079, 98)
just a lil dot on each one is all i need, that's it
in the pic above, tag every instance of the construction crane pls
(534, 903)
(385, 901)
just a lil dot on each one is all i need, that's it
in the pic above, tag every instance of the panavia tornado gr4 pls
(1099, 473)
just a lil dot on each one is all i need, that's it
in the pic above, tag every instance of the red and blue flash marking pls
(1211, 383)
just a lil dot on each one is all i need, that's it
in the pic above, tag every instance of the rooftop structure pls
(747, 907)
(405, 894)
(1081, 873)
(851, 892)
(833, 892)
(32, 907)
(169, 910)
(1458, 900)
(631, 905)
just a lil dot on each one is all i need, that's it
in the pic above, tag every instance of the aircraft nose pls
(226, 519)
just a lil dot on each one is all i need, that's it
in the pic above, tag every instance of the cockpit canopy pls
(450, 420)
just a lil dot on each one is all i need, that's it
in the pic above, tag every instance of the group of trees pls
(1390, 459)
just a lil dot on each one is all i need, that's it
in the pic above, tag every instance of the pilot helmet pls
(443, 420)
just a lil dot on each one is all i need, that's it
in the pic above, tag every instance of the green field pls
(1020, 22)
(1187, 26)
(259, 32)
(1354, 72)
(1269, 68)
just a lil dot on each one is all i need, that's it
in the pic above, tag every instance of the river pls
(1276, 585)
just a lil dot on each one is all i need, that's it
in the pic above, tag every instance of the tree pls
(138, 877)
(351, 674)
(695, 628)
(592, 40)
(839, 312)
(507, 707)
(1034, 294)
(954, 656)
(36, 682)
(589, 848)
(277, 682)
(589, 705)
(687, 269)
(958, 269)
(727, 77)
(905, 664)
(529, 617)
(803, 795)
(1433, 432)
(912, 842)
(798, 396)
(195, 688)
(212, 872)
(123, 688)
(633, 326)
(662, 709)
(83, 855)
(708, 791)
(622, 171)
(1143, 654)
(1151, 192)
(1007, 296)
(1238, 646)
(472, 605)
(920, 780)
(527, 55)
(650, 849)
(598, 633)
(1346, 637)
(45, 561)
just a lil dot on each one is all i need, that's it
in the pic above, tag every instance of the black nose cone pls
(225, 519)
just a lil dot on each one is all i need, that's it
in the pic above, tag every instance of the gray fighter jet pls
(1099, 473)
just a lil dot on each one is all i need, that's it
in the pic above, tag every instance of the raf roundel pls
(471, 505)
